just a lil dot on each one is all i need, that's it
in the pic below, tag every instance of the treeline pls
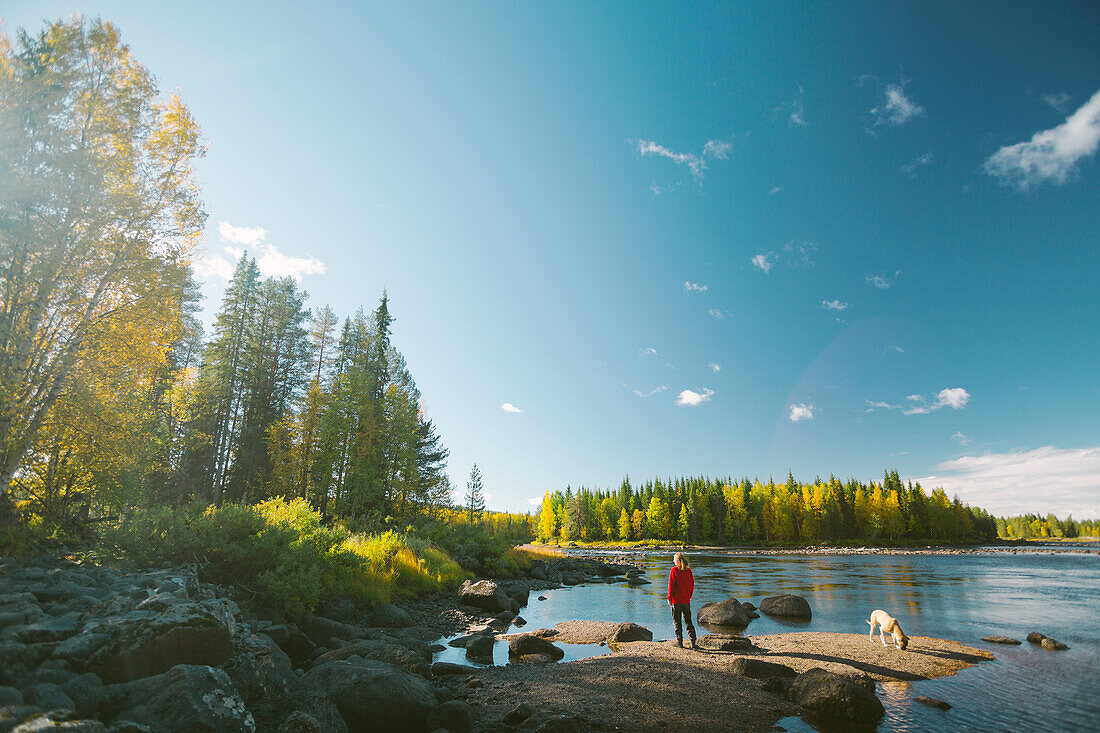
(728, 512)
(111, 396)
(1034, 527)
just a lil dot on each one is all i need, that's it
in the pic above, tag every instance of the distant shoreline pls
(1091, 548)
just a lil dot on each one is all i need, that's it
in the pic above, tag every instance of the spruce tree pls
(475, 499)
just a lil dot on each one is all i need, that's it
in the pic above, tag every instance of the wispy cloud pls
(799, 254)
(960, 438)
(896, 107)
(650, 393)
(777, 189)
(956, 398)
(690, 398)
(656, 189)
(922, 160)
(1005, 483)
(834, 305)
(764, 261)
(269, 259)
(714, 367)
(647, 351)
(800, 412)
(696, 163)
(719, 313)
(690, 287)
(882, 282)
(792, 112)
(1050, 155)
(535, 501)
(1057, 101)
(509, 407)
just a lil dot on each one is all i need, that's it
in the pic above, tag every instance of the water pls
(960, 597)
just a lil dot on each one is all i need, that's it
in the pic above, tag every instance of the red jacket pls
(681, 584)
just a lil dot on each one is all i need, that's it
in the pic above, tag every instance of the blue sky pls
(724, 239)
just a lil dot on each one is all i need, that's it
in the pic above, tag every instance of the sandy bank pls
(656, 686)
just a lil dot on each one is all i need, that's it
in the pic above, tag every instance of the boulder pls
(390, 616)
(519, 621)
(630, 632)
(485, 595)
(1053, 645)
(12, 716)
(721, 643)
(1001, 640)
(57, 628)
(610, 570)
(481, 645)
(758, 669)
(325, 631)
(260, 669)
(411, 656)
(446, 669)
(299, 711)
(80, 648)
(373, 696)
(518, 714)
(786, 606)
(298, 647)
(750, 610)
(10, 696)
(531, 644)
(59, 721)
(533, 659)
(933, 702)
(454, 716)
(723, 613)
(185, 698)
(48, 696)
(85, 691)
(834, 696)
(186, 634)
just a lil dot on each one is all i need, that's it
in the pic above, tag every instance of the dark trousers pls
(682, 612)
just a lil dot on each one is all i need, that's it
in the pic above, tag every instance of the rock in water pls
(723, 613)
(1001, 640)
(933, 702)
(1045, 641)
(373, 696)
(834, 696)
(786, 606)
(484, 594)
(531, 644)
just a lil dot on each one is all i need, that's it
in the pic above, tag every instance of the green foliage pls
(282, 551)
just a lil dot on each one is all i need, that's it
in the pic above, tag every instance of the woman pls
(681, 584)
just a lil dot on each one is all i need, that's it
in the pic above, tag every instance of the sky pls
(665, 239)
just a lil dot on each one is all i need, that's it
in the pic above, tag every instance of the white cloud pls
(690, 287)
(714, 367)
(872, 406)
(801, 412)
(509, 407)
(764, 261)
(1041, 481)
(690, 398)
(697, 164)
(719, 313)
(897, 108)
(954, 397)
(650, 393)
(775, 190)
(1051, 155)
(799, 254)
(882, 282)
(248, 236)
(962, 439)
(270, 261)
(916, 163)
(834, 305)
(647, 351)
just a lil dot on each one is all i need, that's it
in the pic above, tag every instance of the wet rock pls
(373, 696)
(531, 644)
(630, 632)
(834, 696)
(786, 606)
(519, 621)
(454, 716)
(485, 595)
(533, 659)
(1001, 640)
(481, 645)
(185, 698)
(723, 613)
(541, 598)
(759, 669)
(933, 702)
(390, 616)
(1045, 641)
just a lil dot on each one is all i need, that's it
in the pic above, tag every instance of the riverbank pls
(626, 551)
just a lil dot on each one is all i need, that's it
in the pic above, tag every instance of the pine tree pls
(475, 499)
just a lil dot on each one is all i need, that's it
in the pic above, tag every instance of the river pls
(960, 597)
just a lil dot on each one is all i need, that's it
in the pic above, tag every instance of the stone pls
(748, 606)
(159, 602)
(1001, 640)
(454, 716)
(260, 669)
(85, 691)
(80, 648)
(58, 628)
(10, 696)
(12, 716)
(485, 595)
(533, 659)
(758, 669)
(59, 721)
(298, 711)
(412, 656)
(1053, 645)
(1035, 637)
(630, 632)
(933, 702)
(723, 643)
(48, 696)
(481, 645)
(183, 699)
(545, 722)
(341, 609)
(446, 669)
(519, 621)
(298, 647)
(518, 714)
(723, 613)
(531, 644)
(390, 616)
(186, 634)
(786, 606)
(777, 685)
(324, 631)
(373, 696)
(541, 598)
(834, 696)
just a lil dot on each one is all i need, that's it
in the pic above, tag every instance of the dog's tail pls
(872, 623)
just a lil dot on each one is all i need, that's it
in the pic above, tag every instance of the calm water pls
(960, 597)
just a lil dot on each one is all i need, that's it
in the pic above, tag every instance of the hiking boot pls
(680, 643)
(694, 645)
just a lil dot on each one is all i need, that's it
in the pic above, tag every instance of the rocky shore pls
(95, 649)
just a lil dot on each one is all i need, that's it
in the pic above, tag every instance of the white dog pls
(887, 624)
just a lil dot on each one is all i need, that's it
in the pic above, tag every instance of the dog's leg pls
(871, 633)
(882, 635)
